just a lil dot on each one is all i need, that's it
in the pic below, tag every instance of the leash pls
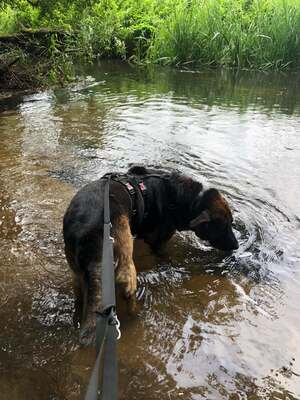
(107, 324)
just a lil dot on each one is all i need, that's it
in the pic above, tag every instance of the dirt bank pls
(33, 58)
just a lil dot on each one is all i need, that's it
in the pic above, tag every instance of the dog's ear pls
(203, 217)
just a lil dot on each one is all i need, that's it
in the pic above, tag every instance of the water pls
(209, 327)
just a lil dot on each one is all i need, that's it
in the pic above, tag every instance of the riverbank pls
(35, 58)
(244, 34)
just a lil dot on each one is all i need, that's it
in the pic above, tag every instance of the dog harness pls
(137, 191)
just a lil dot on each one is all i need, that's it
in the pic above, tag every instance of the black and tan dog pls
(150, 204)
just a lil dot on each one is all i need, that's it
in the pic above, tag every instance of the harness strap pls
(164, 177)
(131, 191)
(139, 182)
(132, 185)
(144, 192)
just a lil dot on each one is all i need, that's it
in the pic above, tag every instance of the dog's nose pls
(233, 243)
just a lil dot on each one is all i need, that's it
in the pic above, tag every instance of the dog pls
(150, 204)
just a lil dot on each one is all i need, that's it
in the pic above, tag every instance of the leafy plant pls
(256, 34)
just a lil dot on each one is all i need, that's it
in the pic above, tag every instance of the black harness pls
(137, 190)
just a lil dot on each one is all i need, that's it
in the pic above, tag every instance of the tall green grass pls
(257, 34)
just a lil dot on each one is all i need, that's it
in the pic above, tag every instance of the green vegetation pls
(255, 34)
(258, 34)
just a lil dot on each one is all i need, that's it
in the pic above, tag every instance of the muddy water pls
(210, 326)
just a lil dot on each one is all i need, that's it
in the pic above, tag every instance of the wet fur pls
(174, 202)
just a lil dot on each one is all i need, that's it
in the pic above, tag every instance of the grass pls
(253, 34)
(258, 34)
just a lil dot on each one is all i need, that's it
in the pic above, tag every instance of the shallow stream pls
(210, 326)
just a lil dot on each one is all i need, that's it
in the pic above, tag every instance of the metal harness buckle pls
(114, 320)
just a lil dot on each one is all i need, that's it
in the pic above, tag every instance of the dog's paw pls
(87, 336)
(133, 308)
(126, 277)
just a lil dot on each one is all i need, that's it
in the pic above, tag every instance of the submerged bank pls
(229, 33)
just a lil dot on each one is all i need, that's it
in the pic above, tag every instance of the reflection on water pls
(210, 326)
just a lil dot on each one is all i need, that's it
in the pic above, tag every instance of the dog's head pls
(214, 221)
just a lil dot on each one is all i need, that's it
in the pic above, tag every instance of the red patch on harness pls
(142, 186)
(129, 186)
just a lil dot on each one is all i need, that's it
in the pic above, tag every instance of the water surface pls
(210, 326)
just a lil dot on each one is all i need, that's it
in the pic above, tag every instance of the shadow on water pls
(210, 325)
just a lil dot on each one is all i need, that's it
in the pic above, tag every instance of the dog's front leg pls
(123, 252)
(158, 239)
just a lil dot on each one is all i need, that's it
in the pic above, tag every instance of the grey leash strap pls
(108, 271)
(105, 384)
(110, 372)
